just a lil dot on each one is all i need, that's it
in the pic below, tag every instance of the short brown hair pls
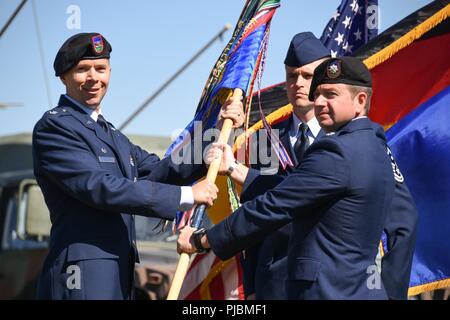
(354, 90)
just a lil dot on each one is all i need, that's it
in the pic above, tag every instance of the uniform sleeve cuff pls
(187, 198)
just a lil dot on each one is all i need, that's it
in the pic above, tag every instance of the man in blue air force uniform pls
(338, 198)
(95, 180)
(265, 265)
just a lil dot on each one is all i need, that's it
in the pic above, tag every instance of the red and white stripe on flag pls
(210, 278)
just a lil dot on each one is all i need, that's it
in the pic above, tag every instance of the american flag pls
(210, 278)
(353, 24)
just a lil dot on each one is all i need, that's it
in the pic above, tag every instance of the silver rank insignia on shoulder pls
(104, 150)
(53, 112)
(396, 170)
(131, 161)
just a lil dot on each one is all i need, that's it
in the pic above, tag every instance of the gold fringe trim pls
(381, 249)
(205, 292)
(408, 38)
(388, 126)
(413, 291)
(277, 114)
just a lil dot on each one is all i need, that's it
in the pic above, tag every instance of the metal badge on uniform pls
(131, 161)
(104, 150)
(334, 69)
(106, 159)
(396, 170)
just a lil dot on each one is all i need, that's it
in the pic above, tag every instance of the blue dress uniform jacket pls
(401, 231)
(265, 264)
(93, 184)
(337, 200)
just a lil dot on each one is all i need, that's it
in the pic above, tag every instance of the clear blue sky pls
(150, 40)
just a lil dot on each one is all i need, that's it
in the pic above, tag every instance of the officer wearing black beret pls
(347, 73)
(95, 180)
(400, 227)
(337, 199)
(345, 70)
(82, 46)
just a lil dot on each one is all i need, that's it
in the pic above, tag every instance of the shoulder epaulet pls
(57, 111)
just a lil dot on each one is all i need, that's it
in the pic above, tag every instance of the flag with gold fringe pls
(411, 75)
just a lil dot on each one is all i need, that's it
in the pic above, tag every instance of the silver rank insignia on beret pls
(396, 170)
(334, 69)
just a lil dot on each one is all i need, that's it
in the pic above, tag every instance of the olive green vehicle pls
(25, 227)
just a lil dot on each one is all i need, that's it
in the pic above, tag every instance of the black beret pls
(79, 47)
(347, 70)
(305, 48)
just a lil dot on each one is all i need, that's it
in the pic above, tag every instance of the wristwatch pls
(197, 239)
(231, 168)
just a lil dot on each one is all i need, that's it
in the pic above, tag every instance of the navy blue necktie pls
(302, 142)
(104, 124)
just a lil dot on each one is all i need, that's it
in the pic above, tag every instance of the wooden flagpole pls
(183, 263)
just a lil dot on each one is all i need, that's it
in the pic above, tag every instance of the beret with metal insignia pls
(79, 47)
(346, 70)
